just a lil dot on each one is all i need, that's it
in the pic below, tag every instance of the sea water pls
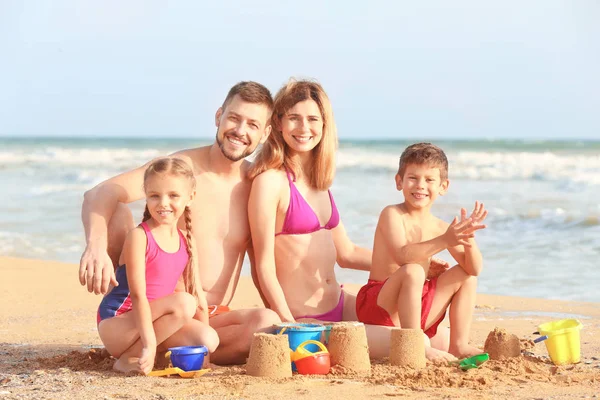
(542, 240)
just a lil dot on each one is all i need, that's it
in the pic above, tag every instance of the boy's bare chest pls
(418, 231)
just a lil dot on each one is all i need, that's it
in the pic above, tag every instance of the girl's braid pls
(190, 269)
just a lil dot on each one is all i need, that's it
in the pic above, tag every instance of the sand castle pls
(348, 347)
(269, 356)
(407, 348)
(501, 345)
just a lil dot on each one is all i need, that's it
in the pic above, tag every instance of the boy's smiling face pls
(421, 185)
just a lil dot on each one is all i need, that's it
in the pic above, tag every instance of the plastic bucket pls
(298, 333)
(563, 340)
(188, 358)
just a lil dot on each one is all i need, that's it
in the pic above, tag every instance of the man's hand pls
(437, 267)
(96, 269)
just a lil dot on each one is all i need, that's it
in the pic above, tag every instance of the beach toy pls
(309, 363)
(407, 348)
(472, 362)
(187, 358)
(562, 340)
(298, 333)
(326, 333)
(180, 372)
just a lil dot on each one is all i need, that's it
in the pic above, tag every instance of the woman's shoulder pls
(270, 178)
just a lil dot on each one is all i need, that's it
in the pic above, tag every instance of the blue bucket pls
(298, 333)
(188, 358)
(327, 333)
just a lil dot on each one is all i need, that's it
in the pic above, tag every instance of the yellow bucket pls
(563, 340)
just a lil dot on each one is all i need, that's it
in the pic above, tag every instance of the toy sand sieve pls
(563, 340)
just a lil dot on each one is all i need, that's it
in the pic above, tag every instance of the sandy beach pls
(49, 349)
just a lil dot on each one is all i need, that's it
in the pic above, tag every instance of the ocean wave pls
(87, 164)
(544, 218)
(78, 157)
(547, 166)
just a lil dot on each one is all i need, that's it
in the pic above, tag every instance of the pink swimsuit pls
(300, 219)
(162, 273)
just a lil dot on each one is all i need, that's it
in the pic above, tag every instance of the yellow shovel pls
(182, 373)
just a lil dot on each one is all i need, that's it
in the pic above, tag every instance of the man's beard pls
(230, 156)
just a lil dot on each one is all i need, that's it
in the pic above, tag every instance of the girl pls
(155, 256)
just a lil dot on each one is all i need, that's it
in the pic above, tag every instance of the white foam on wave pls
(80, 157)
(477, 165)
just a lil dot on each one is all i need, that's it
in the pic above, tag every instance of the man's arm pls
(350, 255)
(262, 212)
(99, 205)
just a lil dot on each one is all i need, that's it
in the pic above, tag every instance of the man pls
(219, 218)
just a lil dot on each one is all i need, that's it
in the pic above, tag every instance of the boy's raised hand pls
(478, 215)
(459, 232)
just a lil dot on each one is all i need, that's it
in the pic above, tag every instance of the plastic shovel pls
(472, 362)
(180, 372)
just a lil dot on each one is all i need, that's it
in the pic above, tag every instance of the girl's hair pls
(275, 152)
(176, 167)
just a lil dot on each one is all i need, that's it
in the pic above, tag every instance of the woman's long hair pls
(175, 167)
(274, 154)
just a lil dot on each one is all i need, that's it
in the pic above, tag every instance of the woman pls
(296, 229)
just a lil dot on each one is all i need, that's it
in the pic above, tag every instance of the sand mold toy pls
(311, 363)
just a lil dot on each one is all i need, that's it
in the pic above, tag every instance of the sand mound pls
(508, 372)
(500, 344)
(93, 360)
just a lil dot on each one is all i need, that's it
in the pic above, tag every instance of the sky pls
(392, 69)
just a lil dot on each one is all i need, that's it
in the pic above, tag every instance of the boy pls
(407, 236)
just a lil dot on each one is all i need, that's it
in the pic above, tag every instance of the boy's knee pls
(470, 281)
(414, 272)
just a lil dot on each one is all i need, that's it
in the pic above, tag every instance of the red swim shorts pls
(370, 313)
(215, 310)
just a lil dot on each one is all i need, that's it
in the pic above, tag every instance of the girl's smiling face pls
(167, 196)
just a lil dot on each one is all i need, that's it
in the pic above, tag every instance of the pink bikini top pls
(300, 217)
